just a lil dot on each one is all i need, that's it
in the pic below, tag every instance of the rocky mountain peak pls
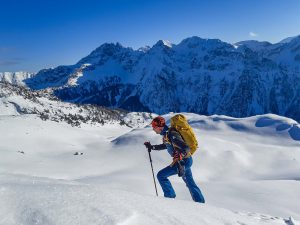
(163, 44)
(104, 51)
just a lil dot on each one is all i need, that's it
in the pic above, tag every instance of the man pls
(182, 160)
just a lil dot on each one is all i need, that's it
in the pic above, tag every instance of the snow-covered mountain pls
(19, 100)
(205, 76)
(15, 78)
(289, 39)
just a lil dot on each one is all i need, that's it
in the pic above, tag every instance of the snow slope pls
(18, 100)
(44, 201)
(15, 78)
(247, 169)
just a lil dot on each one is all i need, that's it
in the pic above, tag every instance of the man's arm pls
(159, 147)
(154, 147)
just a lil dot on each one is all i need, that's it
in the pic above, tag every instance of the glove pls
(148, 146)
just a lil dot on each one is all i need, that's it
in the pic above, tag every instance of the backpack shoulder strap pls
(177, 140)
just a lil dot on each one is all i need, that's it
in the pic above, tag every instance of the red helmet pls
(158, 122)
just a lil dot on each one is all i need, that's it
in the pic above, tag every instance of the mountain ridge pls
(206, 76)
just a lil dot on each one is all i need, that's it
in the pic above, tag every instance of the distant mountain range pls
(205, 76)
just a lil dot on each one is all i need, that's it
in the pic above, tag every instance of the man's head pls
(158, 124)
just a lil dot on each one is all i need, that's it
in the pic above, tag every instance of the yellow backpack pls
(180, 123)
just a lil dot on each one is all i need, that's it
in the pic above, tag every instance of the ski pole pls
(152, 172)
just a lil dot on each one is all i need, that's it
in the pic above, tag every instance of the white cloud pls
(252, 34)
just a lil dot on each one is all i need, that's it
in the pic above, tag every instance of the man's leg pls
(165, 184)
(192, 186)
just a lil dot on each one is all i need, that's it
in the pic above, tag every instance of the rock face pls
(205, 76)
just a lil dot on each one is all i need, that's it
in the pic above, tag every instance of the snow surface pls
(44, 201)
(15, 78)
(248, 170)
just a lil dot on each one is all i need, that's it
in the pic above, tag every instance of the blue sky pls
(37, 34)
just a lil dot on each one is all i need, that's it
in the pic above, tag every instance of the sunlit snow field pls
(248, 170)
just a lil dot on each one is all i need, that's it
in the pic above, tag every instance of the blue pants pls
(166, 185)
